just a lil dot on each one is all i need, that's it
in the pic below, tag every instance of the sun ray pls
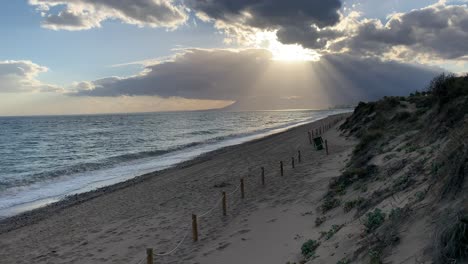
(284, 52)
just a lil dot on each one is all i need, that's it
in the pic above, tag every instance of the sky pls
(107, 56)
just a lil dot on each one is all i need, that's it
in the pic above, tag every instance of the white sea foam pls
(19, 199)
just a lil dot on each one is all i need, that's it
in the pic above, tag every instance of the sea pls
(45, 158)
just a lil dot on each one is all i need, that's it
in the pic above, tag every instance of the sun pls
(284, 52)
(293, 53)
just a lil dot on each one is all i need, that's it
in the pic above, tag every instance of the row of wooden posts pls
(318, 132)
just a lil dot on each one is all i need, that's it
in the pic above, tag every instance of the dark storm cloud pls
(197, 73)
(295, 20)
(309, 37)
(252, 79)
(268, 14)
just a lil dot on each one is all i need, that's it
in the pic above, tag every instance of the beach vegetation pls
(374, 219)
(320, 220)
(344, 261)
(395, 213)
(351, 175)
(309, 247)
(349, 205)
(369, 138)
(420, 195)
(451, 240)
(446, 87)
(332, 231)
(330, 203)
(401, 183)
(375, 257)
(400, 116)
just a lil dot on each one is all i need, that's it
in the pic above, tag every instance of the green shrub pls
(309, 247)
(395, 213)
(368, 139)
(401, 183)
(351, 175)
(402, 116)
(330, 203)
(379, 122)
(451, 239)
(333, 230)
(420, 196)
(320, 220)
(446, 87)
(348, 206)
(344, 261)
(374, 220)
(375, 257)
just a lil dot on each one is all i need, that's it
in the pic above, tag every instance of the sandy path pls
(117, 227)
(276, 222)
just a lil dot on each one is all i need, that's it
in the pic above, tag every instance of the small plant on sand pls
(330, 203)
(395, 213)
(320, 220)
(402, 116)
(360, 186)
(349, 205)
(451, 240)
(333, 230)
(375, 257)
(420, 196)
(401, 183)
(344, 261)
(368, 139)
(309, 247)
(374, 220)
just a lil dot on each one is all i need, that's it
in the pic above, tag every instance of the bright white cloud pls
(21, 76)
(87, 14)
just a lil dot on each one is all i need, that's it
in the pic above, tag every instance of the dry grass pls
(451, 240)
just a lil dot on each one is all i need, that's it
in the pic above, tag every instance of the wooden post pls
(263, 176)
(316, 132)
(149, 256)
(326, 146)
(281, 168)
(224, 204)
(299, 158)
(242, 188)
(310, 138)
(292, 162)
(194, 228)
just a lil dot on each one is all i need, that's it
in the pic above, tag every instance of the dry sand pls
(116, 224)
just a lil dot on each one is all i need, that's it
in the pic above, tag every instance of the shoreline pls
(36, 214)
(118, 222)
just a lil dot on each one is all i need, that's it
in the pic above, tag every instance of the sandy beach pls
(116, 224)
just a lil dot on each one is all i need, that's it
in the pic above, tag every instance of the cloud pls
(439, 31)
(242, 18)
(20, 76)
(87, 14)
(255, 81)
(270, 14)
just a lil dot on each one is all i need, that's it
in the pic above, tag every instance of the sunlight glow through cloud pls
(283, 52)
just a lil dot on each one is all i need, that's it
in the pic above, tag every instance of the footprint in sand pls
(241, 232)
(272, 220)
(223, 245)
